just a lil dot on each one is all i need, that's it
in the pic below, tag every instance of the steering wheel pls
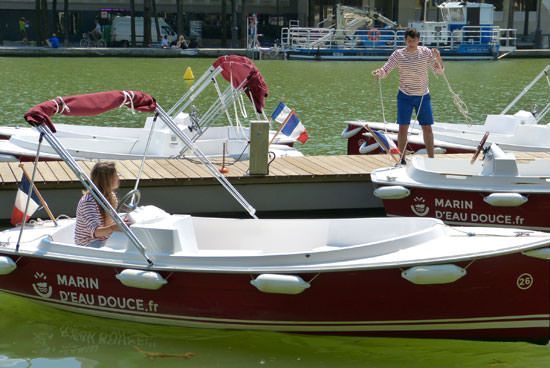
(129, 202)
(479, 147)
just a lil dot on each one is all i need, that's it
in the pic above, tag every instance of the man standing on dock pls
(413, 63)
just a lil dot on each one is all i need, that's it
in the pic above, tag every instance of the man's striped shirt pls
(413, 69)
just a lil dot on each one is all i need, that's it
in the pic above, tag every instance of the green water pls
(324, 95)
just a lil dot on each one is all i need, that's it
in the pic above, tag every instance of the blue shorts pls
(405, 105)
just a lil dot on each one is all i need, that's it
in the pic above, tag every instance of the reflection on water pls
(40, 336)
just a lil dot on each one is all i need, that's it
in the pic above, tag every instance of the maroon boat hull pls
(355, 141)
(500, 298)
(469, 208)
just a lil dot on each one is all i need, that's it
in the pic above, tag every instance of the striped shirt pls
(88, 219)
(413, 69)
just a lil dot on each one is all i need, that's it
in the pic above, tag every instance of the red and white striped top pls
(88, 219)
(413, 69)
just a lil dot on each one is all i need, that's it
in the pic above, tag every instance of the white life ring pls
(368, 148)
(347, 134)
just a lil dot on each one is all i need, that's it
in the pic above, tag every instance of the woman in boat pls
(93, 225)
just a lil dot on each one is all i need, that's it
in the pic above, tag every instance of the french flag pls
(21, 202)
(386, 143)
(292, 126)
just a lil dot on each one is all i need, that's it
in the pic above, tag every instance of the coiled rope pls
(458, 102)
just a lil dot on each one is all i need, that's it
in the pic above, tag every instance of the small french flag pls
(21, 202)
(386, 143)
(292, 126)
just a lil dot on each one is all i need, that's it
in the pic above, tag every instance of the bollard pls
(259, 143)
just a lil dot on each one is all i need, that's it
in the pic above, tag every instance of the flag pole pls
(35, 189)
(292, 112)
(375, 137)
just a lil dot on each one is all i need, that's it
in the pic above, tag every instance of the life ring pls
(373, 34)
(347, 133)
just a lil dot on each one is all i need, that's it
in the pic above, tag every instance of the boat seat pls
(533, 135)
(501, 124)
(499, 163)
(162, 233)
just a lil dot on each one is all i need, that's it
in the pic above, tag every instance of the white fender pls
(280, 284)
(392, 192)
(141, 279)
(368, 148)
(435, 274)
(7, 265)
(505, 199)
(347, 133)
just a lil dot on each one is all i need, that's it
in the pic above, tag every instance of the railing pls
(475, 38)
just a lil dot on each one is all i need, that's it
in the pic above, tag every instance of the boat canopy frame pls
(39, 116)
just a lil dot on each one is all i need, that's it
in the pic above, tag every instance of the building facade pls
(222, 23)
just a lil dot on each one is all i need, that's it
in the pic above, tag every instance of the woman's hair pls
(102, 175)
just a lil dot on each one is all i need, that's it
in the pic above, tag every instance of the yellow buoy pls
(188, 75)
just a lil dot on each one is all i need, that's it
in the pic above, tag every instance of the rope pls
(128, 100)
(382, 102)
(64, 106)
(458, 102)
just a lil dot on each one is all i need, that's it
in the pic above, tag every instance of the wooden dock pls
(294, 184)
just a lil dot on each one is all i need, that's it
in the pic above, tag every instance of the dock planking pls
(162, 172)
(312, 185)
(169, 170)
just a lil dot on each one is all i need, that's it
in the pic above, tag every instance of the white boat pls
(117, 143)
(362, 276)
(158, 141)
(466, 32)
(500, 190)
(521, 131)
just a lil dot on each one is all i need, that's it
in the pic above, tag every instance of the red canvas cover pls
(236, 69)
(89, 105)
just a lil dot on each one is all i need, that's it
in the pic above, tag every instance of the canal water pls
(324, 94)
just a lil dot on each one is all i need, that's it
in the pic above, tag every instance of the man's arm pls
(437, 64)
(384, 71)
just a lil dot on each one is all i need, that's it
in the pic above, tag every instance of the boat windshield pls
(454, 15)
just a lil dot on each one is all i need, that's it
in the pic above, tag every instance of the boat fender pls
(347, 133)
(432, 275)
(542, 253)
(392, 192)
(7, 265)
(505, 199)
(280, 284)
(141, 279)
(368, 148)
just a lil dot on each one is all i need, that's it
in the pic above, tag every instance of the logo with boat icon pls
(41, 286)
(419, 207)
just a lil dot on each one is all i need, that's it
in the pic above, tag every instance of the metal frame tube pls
(96, 193)
(526, 89)
(167, 120)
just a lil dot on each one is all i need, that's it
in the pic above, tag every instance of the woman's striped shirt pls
(413, 69)
(88, 219)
